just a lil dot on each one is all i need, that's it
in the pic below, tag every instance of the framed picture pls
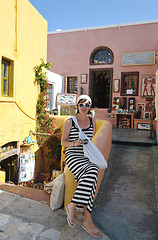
(116, 102)
(138, 58)
(131, 103)
(83, 78)
(116, 85)
(148, 86)
(143, 126)
(149, 106)
(66, 99)
(123, 103)
(147, 115)
(141, 106)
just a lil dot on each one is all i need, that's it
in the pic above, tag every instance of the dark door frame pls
(91, 79)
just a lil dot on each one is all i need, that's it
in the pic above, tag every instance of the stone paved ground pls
(125, 208)
(155, 158)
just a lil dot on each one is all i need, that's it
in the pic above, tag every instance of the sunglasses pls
(87, 105)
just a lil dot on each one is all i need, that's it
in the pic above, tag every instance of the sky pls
(71, 14)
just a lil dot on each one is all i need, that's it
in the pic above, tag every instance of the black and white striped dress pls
(84, 171)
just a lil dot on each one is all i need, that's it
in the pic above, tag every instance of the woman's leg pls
(86, 173)
(99, 179)
(89, 225)
(71, 213)
(85, 191)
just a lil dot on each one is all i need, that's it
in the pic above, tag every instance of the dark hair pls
(82, 100)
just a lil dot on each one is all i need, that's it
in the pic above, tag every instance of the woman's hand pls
(78, 142)
(65, 135)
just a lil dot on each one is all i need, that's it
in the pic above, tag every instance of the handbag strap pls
(80, 130)
(76, 122)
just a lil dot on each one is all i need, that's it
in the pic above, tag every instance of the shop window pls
(129, 83)
(72, 85)
(101, 55)
(50, 97)
(6, 78)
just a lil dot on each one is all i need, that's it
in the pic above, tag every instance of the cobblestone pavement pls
(25, 219)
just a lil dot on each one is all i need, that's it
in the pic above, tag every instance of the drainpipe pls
(16, 25)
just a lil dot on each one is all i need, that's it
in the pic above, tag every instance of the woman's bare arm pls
(65, 135)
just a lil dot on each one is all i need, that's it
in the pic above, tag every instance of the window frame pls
(97, 50)
(123, 74)
(8, 78)
(73, 84)
(50, 97)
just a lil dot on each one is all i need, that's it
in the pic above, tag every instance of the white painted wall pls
(57, 81)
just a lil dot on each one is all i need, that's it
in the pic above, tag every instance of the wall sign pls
(138, 58)
(129, 91)
(66, 99)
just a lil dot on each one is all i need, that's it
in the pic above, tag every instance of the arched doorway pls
(100, 87)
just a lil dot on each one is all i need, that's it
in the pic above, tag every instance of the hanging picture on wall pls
(149, 106)
(83, 78)
(116, 85)
(66, 99)
(141, 106)
(143, 126)
(131, 103)
(147, 115)
(148, 86)
(115, 105)
(123, 102)
(138, 58)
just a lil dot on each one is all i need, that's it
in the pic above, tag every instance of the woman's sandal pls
(69, 218)
(91, 231)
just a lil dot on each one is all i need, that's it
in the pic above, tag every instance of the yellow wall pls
(23, 40)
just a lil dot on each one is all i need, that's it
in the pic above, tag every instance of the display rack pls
(27, 162)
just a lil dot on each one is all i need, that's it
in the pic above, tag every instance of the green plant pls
(40, 74)
(44, 122)
(54, 151)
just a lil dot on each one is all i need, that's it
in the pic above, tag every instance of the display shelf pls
(8, 154)
(26, 145)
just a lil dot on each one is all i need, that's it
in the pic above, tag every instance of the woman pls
(84, 171)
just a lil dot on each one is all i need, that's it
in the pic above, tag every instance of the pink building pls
(115, 65)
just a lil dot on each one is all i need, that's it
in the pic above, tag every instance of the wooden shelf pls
(26, 145)
(8, 154)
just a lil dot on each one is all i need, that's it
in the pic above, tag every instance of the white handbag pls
(90, 149)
